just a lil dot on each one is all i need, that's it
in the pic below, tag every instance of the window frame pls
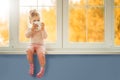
(57, 44)
(107, 28)
(62, 46)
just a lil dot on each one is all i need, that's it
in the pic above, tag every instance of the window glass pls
(117, 22)
(117, 2)
(4, 23)
(96, 2)
(86, 21)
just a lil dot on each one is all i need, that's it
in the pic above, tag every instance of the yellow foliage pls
(86, 24)
(4, 33)
(95, 2)
(117, 26)
(117, 2)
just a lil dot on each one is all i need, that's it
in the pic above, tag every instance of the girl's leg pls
(30, 61)
(42, 62)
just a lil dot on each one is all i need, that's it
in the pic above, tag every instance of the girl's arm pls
(44, 32)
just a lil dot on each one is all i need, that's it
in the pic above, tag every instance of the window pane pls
(86, 24)
(96, 2)
(117, 26)
(117, 2)
(48, 16)
(77, 2)
(95, 25)
(77, 25)
(4, 23)
(23, 23)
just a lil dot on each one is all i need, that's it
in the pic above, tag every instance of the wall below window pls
(63, 67)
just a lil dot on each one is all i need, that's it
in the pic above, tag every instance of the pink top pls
(37, 37)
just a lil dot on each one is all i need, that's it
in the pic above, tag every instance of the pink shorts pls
(36, 48)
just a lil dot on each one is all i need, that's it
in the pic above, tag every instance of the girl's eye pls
(38, 20)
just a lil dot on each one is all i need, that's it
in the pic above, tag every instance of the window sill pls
(69, 51)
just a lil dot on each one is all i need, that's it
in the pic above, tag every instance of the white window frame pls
(57, 44)
(107, 46)
(62, 46)
(107, 28)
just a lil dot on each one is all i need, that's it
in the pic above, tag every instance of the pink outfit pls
(37, 40)
(36, 48)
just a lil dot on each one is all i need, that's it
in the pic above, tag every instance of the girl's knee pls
(41, 53)
(29, 52)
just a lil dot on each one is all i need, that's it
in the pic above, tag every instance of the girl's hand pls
(34, 27)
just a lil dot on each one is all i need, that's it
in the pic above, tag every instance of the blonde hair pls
(33, 13)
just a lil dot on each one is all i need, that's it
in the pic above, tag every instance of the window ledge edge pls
(62, 52)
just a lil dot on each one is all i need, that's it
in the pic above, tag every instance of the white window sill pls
(66, 51)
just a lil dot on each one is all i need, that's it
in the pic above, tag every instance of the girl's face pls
(34, 19)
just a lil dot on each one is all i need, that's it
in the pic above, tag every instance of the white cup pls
(38, 23)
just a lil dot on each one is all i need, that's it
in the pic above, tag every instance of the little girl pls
(37, 33)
